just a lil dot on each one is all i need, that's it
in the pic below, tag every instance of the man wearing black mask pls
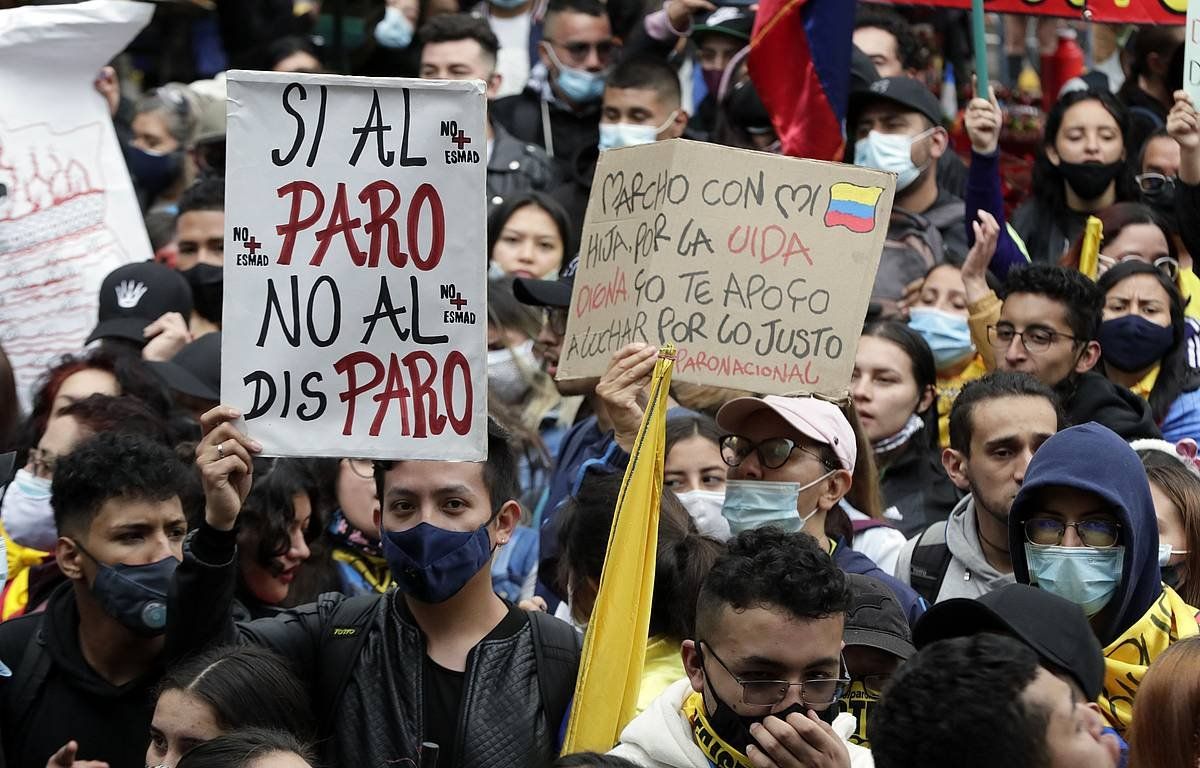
(765, 670)
(200, 234)
(84, 671)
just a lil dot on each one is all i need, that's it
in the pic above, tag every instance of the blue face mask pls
(432, 564)
(947, 335)
(1133, 343)
(751, 504)
(135, 595)
(890, 152)
(1086, 576)
(394, 30)
(614, 135)
(578, 85)
(508, 4)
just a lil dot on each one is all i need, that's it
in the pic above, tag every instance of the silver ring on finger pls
(220, 451)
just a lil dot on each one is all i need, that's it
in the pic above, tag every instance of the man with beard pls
(996, 425)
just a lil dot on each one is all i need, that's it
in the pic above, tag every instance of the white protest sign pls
(757, 267)
(1191, 54)
(68, 211)
(355, 267)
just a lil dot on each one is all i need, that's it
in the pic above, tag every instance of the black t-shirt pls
(443, 689)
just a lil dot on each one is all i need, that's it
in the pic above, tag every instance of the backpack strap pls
(557, 647)
(930, 561)
(29, 677)
(865, 525)
(340, 644)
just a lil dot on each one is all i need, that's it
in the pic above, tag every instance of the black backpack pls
(556, 646)
(930, 561)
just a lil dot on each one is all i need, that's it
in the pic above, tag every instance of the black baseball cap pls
(1056, 629)
(875, 618)
(135, 295)
(905, 91)
(195, 370)
(547, 293)
(726, 20)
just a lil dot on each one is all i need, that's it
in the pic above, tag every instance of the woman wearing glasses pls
(1083, 527)
(1143, 347)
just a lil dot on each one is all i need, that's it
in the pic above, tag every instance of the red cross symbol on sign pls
(458, 301)
(252, 245)
(460, 140)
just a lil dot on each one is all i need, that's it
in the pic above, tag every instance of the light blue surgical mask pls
(1087, 576)
(578, 85)
(948, 335)
(508, 4)
(890, 152)
(751, 504)
(394, 30)
(614, 135)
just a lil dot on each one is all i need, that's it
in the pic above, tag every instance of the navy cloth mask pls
(1132, 343)
(154, 172)
(432, 564)
(135, 595)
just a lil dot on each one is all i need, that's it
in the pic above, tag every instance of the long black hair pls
(1049, 185)
(242, 749)
(245, 687)
(1175, 376)
(924, 368)
(270, 508)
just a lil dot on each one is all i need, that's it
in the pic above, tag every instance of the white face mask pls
(506, 377)
(27, 514)
(890, 152)
(705, 509)
(613, 135)
(1165, 553)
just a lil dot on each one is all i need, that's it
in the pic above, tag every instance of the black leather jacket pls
(515, 167)
(377, 719)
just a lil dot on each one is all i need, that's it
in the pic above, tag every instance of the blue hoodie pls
(1093, 458)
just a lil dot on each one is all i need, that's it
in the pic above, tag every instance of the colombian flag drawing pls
(852, 207)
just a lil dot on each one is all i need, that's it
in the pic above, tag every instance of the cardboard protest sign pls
(355, 286)
(757, 267)
(68, 211)
(1191, 53)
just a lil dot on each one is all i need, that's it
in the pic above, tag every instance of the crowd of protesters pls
(982, 554)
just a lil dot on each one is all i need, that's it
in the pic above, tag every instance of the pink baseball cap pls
(816, 419)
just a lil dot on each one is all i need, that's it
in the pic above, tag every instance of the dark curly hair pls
(909, 50)
(245, 687)
(770, 568)
(110, 466)
(270, 508)
(1081, 298)
(959, 702)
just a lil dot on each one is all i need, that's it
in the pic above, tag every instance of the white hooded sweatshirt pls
(661, 737)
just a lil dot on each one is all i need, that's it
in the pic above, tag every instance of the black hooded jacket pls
(1092, 397)
(54, 696)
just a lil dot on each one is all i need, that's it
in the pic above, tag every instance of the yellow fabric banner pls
(614, 649)
(1128, 657)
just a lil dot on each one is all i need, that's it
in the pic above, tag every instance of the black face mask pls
(1163, 202)
(1090, 180)
(1170, 576)
(153, 172)
(734, 729)
(208, 290)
